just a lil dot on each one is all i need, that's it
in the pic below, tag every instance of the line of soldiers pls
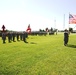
(12, 36)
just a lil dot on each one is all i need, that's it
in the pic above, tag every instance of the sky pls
(40, 14)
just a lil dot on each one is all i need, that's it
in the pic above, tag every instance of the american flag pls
(72, 19)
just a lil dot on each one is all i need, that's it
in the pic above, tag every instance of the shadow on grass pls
(33, 43)
(72, 46)
(26, 42)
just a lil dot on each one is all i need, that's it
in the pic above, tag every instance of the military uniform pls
(4, 37)
(66, 37)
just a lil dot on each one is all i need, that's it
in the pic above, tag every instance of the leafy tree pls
(71, 29)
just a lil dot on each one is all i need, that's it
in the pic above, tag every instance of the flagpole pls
(55, 23)
(63, 21)
(69, 21)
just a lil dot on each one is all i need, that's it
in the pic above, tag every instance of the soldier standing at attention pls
(21, 36)
(4, 37)
(9, 37)
(17, 35)
(24, 37)
(13, 36)
(66, 37)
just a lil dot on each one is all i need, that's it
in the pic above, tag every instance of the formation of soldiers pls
(14, 36)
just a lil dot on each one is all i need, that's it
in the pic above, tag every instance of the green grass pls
(42, 55)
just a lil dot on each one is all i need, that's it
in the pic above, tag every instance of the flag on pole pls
(72, 19)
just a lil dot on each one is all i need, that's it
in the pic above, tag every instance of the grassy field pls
(42, 55)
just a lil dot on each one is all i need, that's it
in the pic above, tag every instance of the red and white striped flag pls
(72, 19)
